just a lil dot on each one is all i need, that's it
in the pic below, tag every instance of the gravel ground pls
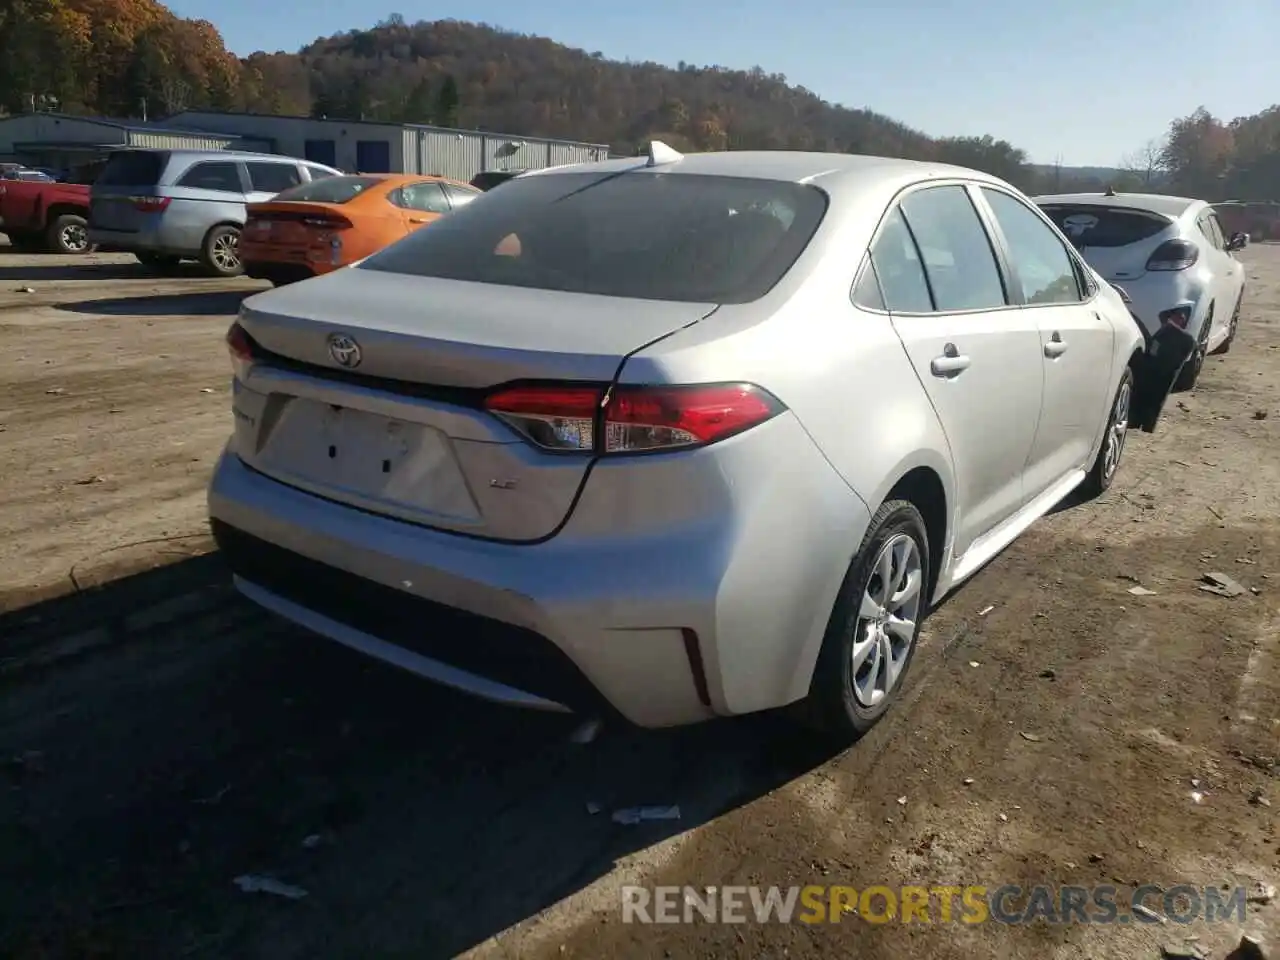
(160, 737)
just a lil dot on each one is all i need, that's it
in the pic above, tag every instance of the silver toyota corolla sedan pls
(676, 436)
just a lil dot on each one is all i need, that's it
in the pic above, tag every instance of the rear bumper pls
(148, 240)
(1154, 293)
(278, 272)
(722, 617)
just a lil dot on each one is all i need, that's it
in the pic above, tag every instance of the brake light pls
(1174, 255)
(1178, 317)
(629, 419)
(241, 348)
(149, 204)
(327, 223)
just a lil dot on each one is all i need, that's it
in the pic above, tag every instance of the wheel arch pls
(924, 479)
(63, 209)
(221, 223)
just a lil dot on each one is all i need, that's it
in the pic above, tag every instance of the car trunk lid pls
(122, 197)
(370, 386)
(293, 223)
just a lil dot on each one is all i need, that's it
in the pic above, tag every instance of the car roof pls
(183, 152)
(830, 169)
(1152, 202)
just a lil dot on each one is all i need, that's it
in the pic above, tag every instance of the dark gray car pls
(164, 206)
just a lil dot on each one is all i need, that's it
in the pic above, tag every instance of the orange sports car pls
(320, 226)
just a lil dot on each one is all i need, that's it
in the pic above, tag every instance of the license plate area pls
(363, 458)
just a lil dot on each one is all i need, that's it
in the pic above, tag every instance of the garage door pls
(373, 156)
(322, 151)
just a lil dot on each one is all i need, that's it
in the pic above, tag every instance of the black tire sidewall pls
(54, 238)
(831, 693)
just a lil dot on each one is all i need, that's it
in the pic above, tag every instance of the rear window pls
(330, 189)
(1089, 225)
(133, 168)
(491, 178)
(650, 236)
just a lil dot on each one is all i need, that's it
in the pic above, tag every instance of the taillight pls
(327, 223)
(240, 346)
(1174, 255)
(629, 419)
(149, 204)
(1178, 317)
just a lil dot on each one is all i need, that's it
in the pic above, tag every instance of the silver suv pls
(164, 206)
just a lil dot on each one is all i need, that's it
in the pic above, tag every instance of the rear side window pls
(1213, 230)
(898, 268)
(460, 195)
(133, 168)
(866, 293)
(273, 177)
(956, 251)
(652, 236)
(426, 196)
(1092, 225)
(319, 173)
(330, 189)
(220, 175)
(1046, 271)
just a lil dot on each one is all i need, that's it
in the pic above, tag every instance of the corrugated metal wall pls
(459, 156)
(183, 141)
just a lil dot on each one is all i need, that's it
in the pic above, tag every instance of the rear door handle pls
(1055, 347)
(952, 363)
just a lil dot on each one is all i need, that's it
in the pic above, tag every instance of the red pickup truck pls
(45, 217)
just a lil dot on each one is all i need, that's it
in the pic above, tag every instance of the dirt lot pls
(160, 737)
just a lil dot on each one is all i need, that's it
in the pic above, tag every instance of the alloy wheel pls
(886, 625)
(1118, 430)
(226, 252)
(75, 238)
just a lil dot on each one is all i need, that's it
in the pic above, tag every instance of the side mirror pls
(1238, 241)
(1124, 294)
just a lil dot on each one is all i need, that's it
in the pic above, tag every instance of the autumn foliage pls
(130, 57)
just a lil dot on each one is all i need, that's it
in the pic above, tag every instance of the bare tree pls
(1145, 162)
(175, 94)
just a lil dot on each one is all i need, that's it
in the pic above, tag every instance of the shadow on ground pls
(196, 303)
(65, 268)
(168, 737)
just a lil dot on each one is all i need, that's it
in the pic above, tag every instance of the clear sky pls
(1083, 82)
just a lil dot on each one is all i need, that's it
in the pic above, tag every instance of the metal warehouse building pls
(61, 141)
(369, 147)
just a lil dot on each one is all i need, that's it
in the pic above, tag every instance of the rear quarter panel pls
(192, 213)
(842, 372)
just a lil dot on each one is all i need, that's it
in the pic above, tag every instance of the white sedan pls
(676, 437)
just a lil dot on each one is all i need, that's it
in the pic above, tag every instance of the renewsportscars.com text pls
(972, 904)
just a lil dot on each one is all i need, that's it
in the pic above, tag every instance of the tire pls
(68, 233)
(1190, 371)
(1225, 346)
(220, 252)
(1107, 463)
(848, 696)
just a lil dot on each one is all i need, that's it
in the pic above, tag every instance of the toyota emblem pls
(344, 350)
